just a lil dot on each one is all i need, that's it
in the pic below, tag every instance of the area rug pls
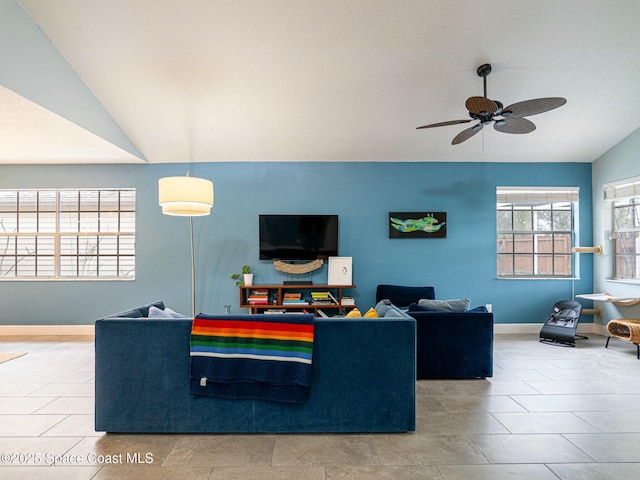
(5, 357)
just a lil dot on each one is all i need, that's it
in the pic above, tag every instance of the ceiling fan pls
(505, 119)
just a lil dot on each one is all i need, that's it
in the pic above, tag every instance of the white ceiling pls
(333, 80)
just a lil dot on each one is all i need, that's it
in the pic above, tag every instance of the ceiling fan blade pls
(514, 125)
(533, 107)
(444, 124)
(480, 105)
(466, 134)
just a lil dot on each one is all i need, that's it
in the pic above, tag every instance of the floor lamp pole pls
(193, 271)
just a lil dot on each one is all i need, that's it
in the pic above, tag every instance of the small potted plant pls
(244, 278)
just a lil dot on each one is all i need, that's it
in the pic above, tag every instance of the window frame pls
(632, 203)
(109, 212)
(535, 200)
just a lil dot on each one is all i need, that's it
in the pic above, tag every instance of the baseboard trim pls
(46, 330)
(506, 328)
(88, 330)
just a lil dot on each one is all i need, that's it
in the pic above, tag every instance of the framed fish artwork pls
(417, 224)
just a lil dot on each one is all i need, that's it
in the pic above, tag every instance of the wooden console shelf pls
(266, 298)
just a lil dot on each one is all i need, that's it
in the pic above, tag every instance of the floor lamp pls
(187, 197)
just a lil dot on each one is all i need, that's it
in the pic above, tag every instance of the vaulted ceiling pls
(310, 80)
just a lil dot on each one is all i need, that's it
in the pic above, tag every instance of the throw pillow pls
(481, 309)
(392, 313)
(453, 305)
(386, 309)
(395, 312)
(371, 313)
(155, 312)
(144, 310)
(175, 314)
(382, 307)
(353, 314)
(138, 312)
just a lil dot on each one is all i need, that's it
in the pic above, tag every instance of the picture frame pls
(417, 224)
(340, 271)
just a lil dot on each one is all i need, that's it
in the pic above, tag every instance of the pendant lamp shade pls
(185, 196)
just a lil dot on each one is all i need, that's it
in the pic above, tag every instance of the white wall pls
(40, 74)
(622, 161)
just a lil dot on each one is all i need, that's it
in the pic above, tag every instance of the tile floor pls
(548, 413)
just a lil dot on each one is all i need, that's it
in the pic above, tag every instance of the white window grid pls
(49, 234)
(626, 238)
(535, 232)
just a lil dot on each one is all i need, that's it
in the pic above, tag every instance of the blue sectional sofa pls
(362, 380)
(448, 344)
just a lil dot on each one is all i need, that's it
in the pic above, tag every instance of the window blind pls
(537, 194)
(622, 189)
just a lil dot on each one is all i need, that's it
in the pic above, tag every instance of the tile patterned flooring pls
(548, 413)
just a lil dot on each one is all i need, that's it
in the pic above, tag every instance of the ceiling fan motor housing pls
(484, 70)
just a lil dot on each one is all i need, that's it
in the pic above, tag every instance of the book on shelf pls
(323, 298)
(293, 298)
(259, 293)
(258, 297)
(348, 301)
(258, 301)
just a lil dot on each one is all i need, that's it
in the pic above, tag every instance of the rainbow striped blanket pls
(260, 357)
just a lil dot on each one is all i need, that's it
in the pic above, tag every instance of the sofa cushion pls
(453, 305)
(403, 296)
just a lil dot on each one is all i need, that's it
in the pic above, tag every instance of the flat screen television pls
(298, 237)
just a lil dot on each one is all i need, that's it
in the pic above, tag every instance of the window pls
(625, 231)
(535, 231)
(67, 234)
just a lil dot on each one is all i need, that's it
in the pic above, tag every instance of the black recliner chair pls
(562, 323)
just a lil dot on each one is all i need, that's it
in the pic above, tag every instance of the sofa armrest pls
(454, 344)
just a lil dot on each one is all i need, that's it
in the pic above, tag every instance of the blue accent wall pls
(362, 193)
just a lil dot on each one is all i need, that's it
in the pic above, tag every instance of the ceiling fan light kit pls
(505, 119)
